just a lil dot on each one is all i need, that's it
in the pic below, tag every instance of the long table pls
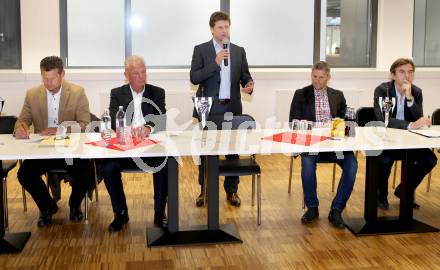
(212, 143)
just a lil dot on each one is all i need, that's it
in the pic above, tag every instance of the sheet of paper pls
(430, 133)
(35, 138)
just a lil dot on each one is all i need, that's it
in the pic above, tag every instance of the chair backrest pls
(7, 124)
(95, 127)
(94, 117)
(365, 115)
(436, 117)
(241, 121)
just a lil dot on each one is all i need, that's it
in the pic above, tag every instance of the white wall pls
(40, 32)
(274, 87)
(394, 31)
(270, 102)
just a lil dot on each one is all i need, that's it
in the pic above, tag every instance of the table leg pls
(212, 233)
(404, 223)
(9, 242)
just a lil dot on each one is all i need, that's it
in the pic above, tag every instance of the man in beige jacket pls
(47, 107)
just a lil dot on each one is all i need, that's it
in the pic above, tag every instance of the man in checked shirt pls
(320, 103)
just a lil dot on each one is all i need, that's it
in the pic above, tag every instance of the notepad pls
(52, 141)
(430, 133)
(35, 138)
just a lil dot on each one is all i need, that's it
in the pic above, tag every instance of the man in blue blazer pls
(407, 114)
(219, 72)
(144, 105)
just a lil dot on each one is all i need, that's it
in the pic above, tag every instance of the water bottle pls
(121, 125)
(350, 122)
(106, 127)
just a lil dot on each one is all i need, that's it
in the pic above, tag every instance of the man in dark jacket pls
(219, 72)
(407, 113)
(146, 112)
(320, 103)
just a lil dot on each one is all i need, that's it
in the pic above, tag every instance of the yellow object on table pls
(338, 127)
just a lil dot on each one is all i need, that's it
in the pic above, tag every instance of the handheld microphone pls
(226, 46)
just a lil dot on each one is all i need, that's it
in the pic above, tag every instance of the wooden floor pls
(281, 242)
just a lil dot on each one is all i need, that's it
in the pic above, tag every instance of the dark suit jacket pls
(303, 104)
(411, 113)
(206, 73)
(154, 115)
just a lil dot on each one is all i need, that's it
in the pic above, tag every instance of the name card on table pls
(131, 144)
(296, 138)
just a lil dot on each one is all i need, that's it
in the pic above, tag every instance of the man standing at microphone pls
(219, 68)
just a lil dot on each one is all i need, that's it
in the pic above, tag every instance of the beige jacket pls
(74, 106)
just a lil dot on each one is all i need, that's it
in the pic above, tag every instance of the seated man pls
(144, 101)
(319, 103)
(46, 107)
(407, 114)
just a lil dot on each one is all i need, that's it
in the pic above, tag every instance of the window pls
(426, 47)
(10, 40)
(165, 32)
(278, 33)
(274, 33)
(95, 33)
(350, 32)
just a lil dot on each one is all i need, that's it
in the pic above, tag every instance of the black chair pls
(7, 124)
(364, 115)
(435, 121)
(292, 157)
(55, 176)
(240, 167)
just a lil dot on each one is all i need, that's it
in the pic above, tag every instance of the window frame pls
(225, 6)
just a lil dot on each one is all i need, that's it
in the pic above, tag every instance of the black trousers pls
(30, 172)
(2, 173)
(111, 171)
(424, 160)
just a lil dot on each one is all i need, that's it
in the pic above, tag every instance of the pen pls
(26, 130)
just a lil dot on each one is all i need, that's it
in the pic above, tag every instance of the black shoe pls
(200, 200)
(382, 203)
(311, 214)
(415, 205)
(397, 194)
(119, 221)
(75, 214)
(46, 216)
(160, 219)
(335, 218)
(233, 199)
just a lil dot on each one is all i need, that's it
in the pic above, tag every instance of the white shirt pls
(138, 118)
(53, 107)
(225, 73)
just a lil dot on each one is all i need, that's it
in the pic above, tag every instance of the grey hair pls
(132, 59)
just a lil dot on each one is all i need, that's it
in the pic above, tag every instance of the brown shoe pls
(233, 199)
(199, 201)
